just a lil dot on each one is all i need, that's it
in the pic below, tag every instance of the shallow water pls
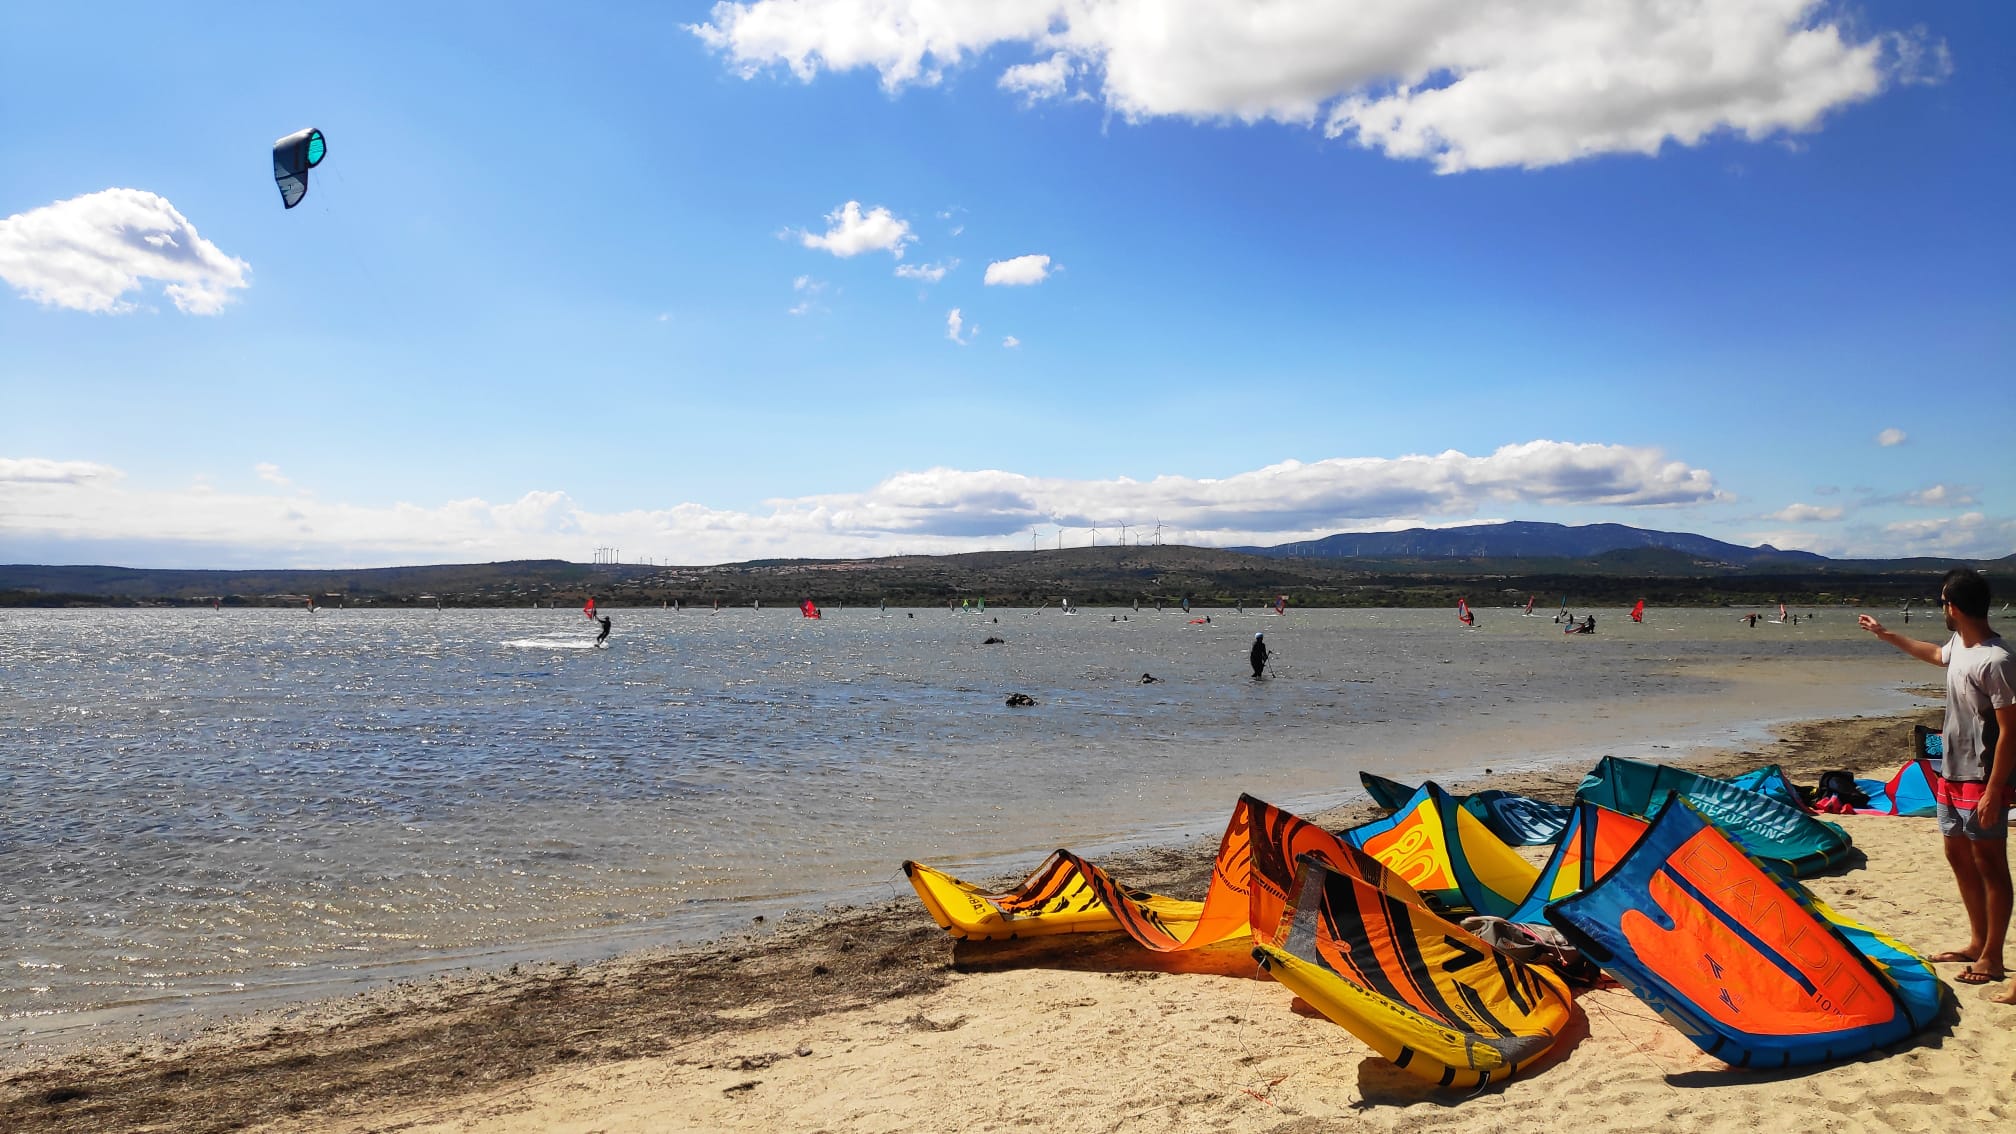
(209, 805)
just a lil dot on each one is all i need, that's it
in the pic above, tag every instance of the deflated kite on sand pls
(1361, 946)
(1682, 911)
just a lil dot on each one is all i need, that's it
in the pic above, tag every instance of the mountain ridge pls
(1523, 539)
(1423, 571)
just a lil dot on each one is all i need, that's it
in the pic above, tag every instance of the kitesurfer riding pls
(604, 635)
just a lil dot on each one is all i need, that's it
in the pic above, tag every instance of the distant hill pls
(497, 582)
(1501, 563)
(1526, 539)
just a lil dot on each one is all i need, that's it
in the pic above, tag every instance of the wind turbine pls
(1158, 532)
(1095, 533)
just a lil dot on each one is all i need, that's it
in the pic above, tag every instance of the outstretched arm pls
(1923, 651)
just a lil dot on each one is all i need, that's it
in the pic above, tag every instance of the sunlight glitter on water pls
(208, 801)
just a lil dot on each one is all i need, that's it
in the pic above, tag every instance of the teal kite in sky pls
(293, 156)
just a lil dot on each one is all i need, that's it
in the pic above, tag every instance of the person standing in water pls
(604, 635)
(1973, 793)
(1259, 655)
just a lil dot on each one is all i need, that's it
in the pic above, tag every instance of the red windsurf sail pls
(1638, 612)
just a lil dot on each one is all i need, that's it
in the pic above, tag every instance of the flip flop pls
(1950, 956)
(1976, 976)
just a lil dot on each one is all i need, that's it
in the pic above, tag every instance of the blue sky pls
(681, 280)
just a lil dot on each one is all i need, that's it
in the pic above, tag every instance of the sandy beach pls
(872, 1019)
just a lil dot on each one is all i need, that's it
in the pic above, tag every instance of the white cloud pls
(809, 288)
(37, 470)
(929, 273)
(1529, 83)
(1035, 82)
(270, 473)
(1968, 534)
(1011, 342)
(850, 232)
(1804, 514)
(955, 324)
(1890, 437)
(88, 252)
(1798, 539)
(1939, 496)
(934, 510)
(909, 43)
(1921, 60)
(1021, 270)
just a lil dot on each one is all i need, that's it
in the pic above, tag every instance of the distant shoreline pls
(1105, 576)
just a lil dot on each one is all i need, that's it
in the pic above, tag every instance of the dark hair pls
(1967, 590)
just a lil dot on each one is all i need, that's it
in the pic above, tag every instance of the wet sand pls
(874, 1019)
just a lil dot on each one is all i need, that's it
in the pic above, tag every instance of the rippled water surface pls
(244, 801)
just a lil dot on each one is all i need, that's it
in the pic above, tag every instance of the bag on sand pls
(1536, 945)
(1841, 785)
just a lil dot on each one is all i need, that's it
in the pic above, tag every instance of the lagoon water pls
(214, 808)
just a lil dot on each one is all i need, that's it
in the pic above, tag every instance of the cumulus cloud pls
(271, 474)
(88, 253)
(955, 324)
(928, 273)
(1804, 514)
(1529, 83)
(850, 232)
(1968, 534)
(45, 503)
(1937, 496)
(1036, 82)
(1011, 342)
(1890, 437)
(1018, 272)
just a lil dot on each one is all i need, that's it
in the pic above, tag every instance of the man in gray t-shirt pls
(1980, 761)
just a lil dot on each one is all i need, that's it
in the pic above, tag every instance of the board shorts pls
(1958, 814)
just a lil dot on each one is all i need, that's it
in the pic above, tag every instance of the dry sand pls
(872, 1020)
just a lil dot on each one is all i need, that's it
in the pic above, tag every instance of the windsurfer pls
(604, 635)
(1259, 655)
(1980, 760)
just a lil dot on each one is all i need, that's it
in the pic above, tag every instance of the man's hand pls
(1994, 801)
(1869, 623)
